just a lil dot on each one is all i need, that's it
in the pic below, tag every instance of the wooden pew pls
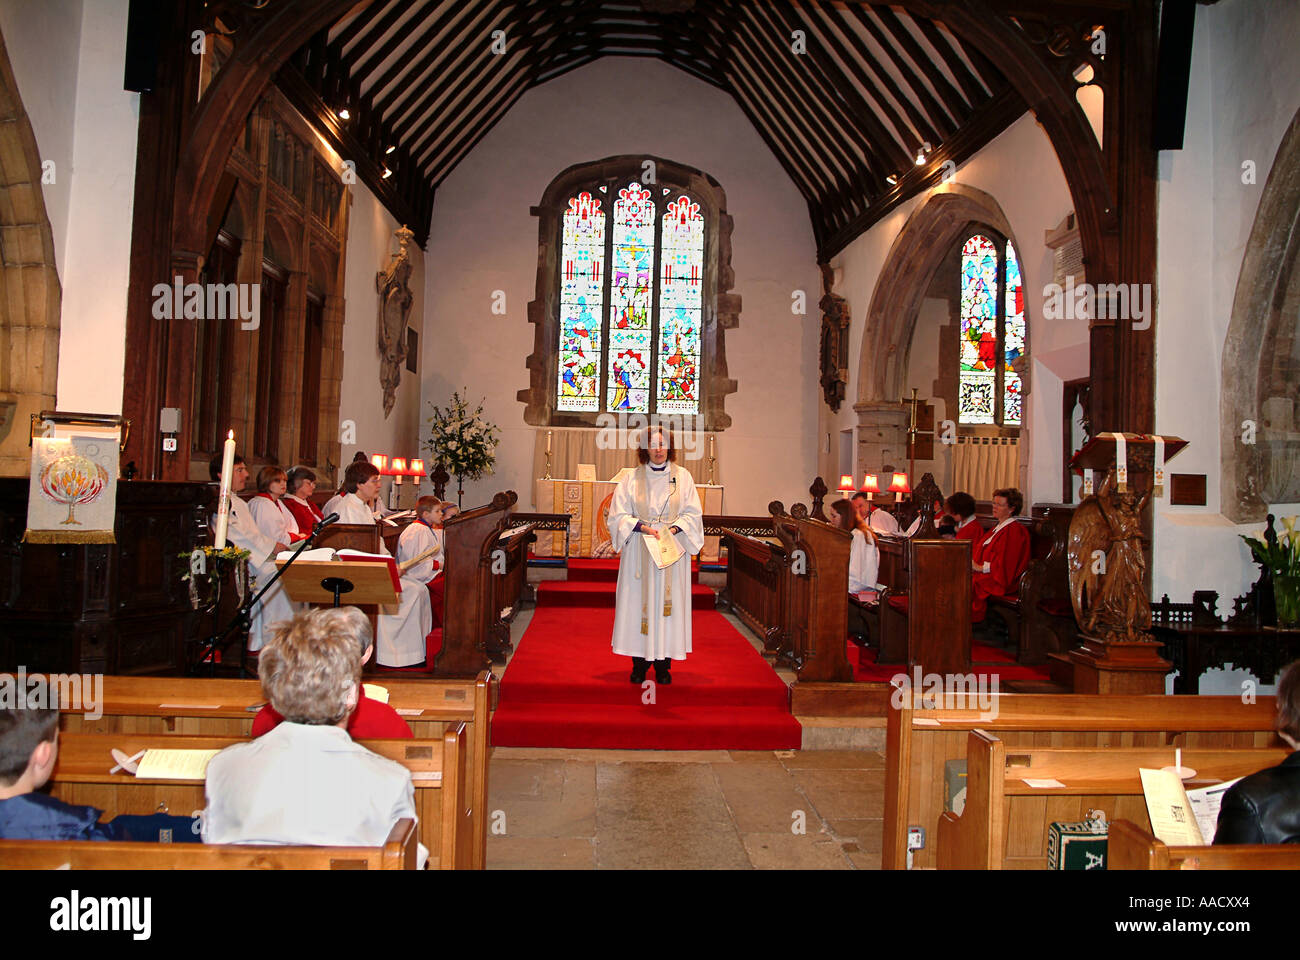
(1040, 618)
(1130, 847)
(926, 603)
(1003, 812)
(469, 542)
(225, 708)
(918, 742)
(756, 590)
(397, 853)
(437, 770)
(816, 605)
(509, 581)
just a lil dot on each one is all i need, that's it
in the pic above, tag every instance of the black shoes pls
(639, 669)
(661, 672)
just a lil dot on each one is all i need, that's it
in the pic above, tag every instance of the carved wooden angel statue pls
(1107, 568)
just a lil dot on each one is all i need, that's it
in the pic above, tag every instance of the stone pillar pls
(882, 437)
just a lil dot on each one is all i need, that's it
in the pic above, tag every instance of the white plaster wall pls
(1244, 90)
(1019, 169)
(92, 338)
(361, 400)
(483, 239)
(43, 41)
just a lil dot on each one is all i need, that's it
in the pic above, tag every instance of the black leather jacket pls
(1264, 807)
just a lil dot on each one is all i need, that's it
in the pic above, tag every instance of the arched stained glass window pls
(992, 339)
(638, 334)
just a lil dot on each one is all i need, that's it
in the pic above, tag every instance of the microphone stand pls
(242, 619)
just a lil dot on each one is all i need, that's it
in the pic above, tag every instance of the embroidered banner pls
(72, 497)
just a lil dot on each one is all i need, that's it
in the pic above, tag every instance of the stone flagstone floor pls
(629, 809)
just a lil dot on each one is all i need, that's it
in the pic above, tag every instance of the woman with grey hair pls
(307, 781)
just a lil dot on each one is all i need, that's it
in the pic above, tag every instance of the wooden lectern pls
(332, 583)
(1107, 565)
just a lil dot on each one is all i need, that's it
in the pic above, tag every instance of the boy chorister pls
(424, 536)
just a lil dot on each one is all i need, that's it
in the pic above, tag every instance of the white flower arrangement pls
(462, 441)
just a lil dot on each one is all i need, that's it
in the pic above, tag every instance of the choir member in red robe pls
(961, 508)
(1001, 557)
(301, 485)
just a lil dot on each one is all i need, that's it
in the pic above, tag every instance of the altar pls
(587, 504)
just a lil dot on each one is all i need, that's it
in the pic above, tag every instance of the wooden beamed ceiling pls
(845, 94)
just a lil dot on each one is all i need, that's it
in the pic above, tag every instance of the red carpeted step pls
(605, 570)
(657, 726)
(583, 593)
(565, 687)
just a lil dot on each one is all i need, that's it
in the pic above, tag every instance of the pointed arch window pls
(992, 333)
(631, 300)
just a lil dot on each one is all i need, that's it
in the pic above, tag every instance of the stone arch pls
(31, 296)
(916, 253)
(1261, 353)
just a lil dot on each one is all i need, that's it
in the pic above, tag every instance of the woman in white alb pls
(652, 616)
(400, 633)
(864, 564)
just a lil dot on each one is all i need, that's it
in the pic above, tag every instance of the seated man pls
(423, 539)
(29, 747)
(881, 521)
(306, 781)
(371, 720)
(1001, 556)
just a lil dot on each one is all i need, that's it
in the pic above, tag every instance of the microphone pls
(324, 522)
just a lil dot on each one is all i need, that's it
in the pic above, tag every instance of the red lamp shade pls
(870, 485)
(380, 462)
(899, 486)
(417, 468)
(398, 469)
(846, 483)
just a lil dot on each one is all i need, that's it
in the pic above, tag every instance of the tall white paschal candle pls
(223, 498)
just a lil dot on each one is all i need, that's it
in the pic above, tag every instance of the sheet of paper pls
(1172, 818)
(924, 722)
(1045, 784)
(375, 692)
(664, 551)
(175, 764)
(409, 711)
(1205, 803)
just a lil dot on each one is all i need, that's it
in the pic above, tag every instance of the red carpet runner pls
(564, 687)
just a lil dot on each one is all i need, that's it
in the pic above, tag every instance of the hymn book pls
(1182, 817)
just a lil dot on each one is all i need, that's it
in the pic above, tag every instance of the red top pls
(972, 532)
(1007, 555)
(305, 515)
(371, 720)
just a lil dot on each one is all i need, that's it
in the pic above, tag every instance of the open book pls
(1182, 817)
(363, 557)
(318, 554)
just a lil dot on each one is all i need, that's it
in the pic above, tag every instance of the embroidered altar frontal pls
(587, 504)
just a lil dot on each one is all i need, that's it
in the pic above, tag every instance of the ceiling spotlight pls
(390, 149)
(892, 179)
(387, 173)
(344, 114)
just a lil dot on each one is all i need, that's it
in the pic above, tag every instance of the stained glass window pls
(1013, 340)
(641, 336)
(992, 339)
(582, 292)
(977, 388)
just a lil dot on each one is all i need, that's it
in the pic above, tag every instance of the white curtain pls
(981, 465)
